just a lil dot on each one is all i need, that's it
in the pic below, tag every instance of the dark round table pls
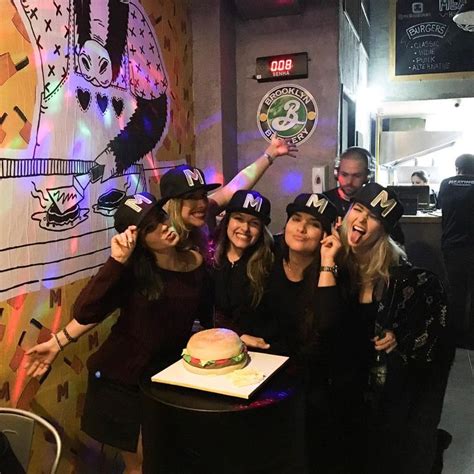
(188, 431)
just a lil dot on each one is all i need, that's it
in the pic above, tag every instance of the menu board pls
(426, 42)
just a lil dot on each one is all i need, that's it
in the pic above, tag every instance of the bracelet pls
(326, 268)
(269, 157)
(68, 336)
(61, 347)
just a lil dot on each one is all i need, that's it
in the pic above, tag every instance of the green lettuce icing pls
(204, 363)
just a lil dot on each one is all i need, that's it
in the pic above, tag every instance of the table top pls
(280, 387)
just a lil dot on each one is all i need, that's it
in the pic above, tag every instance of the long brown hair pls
(259, 262)
(306, 328)
(146, 272)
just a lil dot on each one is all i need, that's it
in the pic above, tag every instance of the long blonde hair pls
(385, 253)
(258, 265)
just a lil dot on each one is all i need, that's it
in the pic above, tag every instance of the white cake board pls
(176, 374)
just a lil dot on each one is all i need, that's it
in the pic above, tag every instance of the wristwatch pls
(326, 268)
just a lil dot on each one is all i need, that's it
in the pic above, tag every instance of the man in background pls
(352, 172)
(456, 199)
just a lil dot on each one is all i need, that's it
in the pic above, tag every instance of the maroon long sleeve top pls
(145, 330)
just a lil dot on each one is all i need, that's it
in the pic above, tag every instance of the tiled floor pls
(458, 415)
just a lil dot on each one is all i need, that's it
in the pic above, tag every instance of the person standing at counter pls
(394, 334)
(189, 206)
(456, 199)
(419, 178)
(159, 291)
(242, 261)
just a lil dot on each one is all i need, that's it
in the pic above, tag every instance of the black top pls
(342, 206)
(456, 199)
(290, 308)
(233, 297)
(351, 357)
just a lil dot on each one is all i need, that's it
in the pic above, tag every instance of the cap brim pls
(293, 208)
(265, 219)
(161, 202)
(210, 187)
(196, 188)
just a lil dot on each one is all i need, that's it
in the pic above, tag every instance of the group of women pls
(365, 328)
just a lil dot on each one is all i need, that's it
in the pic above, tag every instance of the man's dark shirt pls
(456, 199)
(341, 204)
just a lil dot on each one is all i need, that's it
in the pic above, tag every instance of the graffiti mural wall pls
(95, 103)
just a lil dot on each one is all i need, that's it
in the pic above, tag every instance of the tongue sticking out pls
(355, 236)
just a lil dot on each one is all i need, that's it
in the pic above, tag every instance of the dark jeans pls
(403, 433)
(460, 270)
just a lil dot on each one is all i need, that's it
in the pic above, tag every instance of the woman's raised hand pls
(280, 146)
(330, 246)
(39, 358)
(123, 244)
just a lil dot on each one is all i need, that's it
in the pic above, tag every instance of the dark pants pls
(460, 270)
(404, 435)
(336, 429)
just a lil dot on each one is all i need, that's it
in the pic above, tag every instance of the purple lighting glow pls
(292, 182)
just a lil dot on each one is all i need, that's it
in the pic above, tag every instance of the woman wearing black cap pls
(159, 291)
(301, 304)
(302, 284)
(190, 208)
(242, 261)
(393, 334)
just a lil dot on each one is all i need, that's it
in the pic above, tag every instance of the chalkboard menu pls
(425, 39)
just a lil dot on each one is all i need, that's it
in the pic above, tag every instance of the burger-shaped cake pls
(215, 352)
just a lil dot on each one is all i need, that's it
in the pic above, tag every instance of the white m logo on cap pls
(192, 176)
(134, 203)
(316, 202)
(385, 203)
(251, 201)
(140, 199)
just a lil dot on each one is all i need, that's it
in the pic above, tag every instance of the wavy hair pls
(259, 263)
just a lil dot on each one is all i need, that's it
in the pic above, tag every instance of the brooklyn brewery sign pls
(290, 111)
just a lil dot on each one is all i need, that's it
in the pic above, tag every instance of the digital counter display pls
(282, 67)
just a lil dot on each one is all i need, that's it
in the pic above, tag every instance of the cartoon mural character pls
(104, 103)
(100, 111)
